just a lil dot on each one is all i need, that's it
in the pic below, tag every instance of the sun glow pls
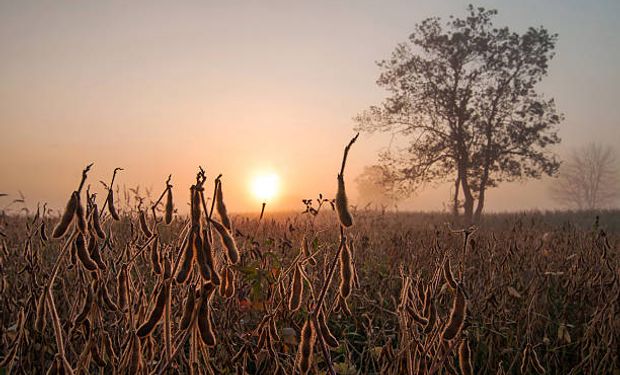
(265, 186)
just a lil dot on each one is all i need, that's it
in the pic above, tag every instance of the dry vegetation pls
(143, 290)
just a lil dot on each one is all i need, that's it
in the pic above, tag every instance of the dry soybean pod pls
(536, 362)
(105, 296)
(121, 288)
(67, 217)
(306, 251)
(329, 338)
(144, 225)
(221, 207)
(447, 274)
(224, 282)
(457, 316)
(208, 252)
(42, 232)
(228, 241)
(431, 318)
(465, 358)
(526, 358)
(155, 259)
(230, 284)
(188, 309)
(169, 206)
(195, 206)
(80, 215)
(204, 319)
(305, 350)
(200, 248)
(95, 253)
(111, 207)
(97, 223)
(41, 314)
(297, 290)
(88, 304)
(342, 204)
(82, 253)
(187, 261)
(158, 311)
(135, 361)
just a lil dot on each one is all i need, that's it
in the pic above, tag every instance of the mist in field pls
(245, 89)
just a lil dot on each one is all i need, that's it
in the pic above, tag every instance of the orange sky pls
(244, 87)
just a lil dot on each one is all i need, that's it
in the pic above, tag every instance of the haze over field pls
(248, 89)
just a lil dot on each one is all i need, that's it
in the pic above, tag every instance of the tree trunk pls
(481, 194)
(455, 207)
(480, 206)
(468, 204)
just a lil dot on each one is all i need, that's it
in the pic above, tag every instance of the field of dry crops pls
(143, 290)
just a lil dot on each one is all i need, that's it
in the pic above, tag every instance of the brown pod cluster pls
(305, 350)
(465, 358)
(297, 290)
(457, 316)
(329, 338)
(232, 252)
(169, 206)
(187, 262)
(346, 271)
(111, 207)
(342, 204)
(144, 225)
(83, 254)
(67, 217)
(158, 311)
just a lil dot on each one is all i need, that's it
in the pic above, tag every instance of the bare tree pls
(464, 94)
(589, 179)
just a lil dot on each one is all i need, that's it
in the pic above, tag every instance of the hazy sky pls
(245, 87)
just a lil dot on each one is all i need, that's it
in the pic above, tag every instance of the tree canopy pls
(463, 93)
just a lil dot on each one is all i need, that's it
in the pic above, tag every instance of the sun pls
(265, 186)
